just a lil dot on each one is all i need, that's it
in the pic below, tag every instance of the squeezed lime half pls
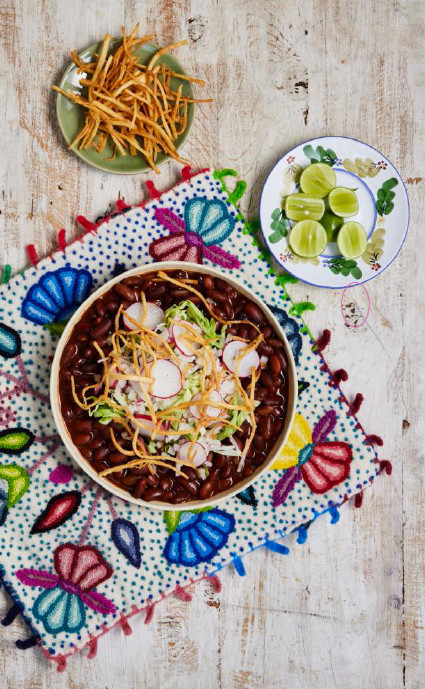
(332, 224)
(304, 207)
(317, 179)
(308, 238)
(352, 239)
(343, 202)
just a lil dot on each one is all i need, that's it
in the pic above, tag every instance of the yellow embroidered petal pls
(299, 437)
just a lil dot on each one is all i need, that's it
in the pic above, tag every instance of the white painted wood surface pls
(346, 610)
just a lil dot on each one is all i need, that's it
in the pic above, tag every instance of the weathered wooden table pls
(345, 610)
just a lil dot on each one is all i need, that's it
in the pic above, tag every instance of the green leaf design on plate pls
(384, 197)
(340, 265)
(18, 481)
(13, 441)
(320, 155)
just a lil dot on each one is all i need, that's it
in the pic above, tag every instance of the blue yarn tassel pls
(302, 535)
(239, 566)
(277, 547)
(333, 511)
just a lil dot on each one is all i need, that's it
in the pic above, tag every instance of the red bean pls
(112, 305)
(266, 332)
(267, 380)
(157, 290)
(129, 480)
(282, 359)
(179, 293)
(274, 342)
(67, 412)
(273, 399)
(264, 349)
(254, 313)
(225, 484)
(101, 453)
(96, 443)
(133, 281)
(140, 487)
(179, 497)
(274, 364)
(102, 329)
(228, 311)
(87, 454)
(153, 494)
(89, 352)
(191, 473)
(259, 442)
(100, 307)
(125, 292)
(83, 425)
(165, 483)
(168, 494)
(225, 471)
(217, 296)
(264, 410)
(247, 470)
(208, 282)
(190, 486)
(153, 480)
(117, 458)
(81, 338)
(252, 333)
(260, 394)
(265, 427)
(84, 327)
(81, 439)
(219, 461)
(239, 307)
(69, 352)
(206, 490)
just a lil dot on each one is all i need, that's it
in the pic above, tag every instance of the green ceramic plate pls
(71, 117)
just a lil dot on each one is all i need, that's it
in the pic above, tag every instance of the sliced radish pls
(192, 452)
(207, 410)
(227, 387)
(247, 361)
(181, 331)
(153, 317)
(147, 421)
(167, 379)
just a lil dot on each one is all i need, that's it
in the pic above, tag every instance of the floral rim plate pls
(383, 210)
(71, 116)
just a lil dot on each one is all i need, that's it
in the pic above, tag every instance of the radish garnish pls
(195, 453)
(147, 421)
(247, 361)
(207, 410)
(167, 379)
(227, 387)
(182, 336)
(153, 317)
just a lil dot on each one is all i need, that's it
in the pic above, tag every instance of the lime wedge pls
(317, 179)
(304, 207)
(308, 238)
(343, 202)
(352, 239)
(332, 224)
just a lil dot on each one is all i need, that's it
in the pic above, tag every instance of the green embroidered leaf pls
(356, 273)
(18, 481)
(15, 440)
(172, 520)
(56, 328)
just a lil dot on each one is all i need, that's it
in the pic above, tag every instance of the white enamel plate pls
(383, 210)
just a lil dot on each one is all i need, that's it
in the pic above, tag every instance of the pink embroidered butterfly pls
(307, 456)
(207, 222)
(79, 569)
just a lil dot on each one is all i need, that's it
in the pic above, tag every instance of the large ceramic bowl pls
(104, 482)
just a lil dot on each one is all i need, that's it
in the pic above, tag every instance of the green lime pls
(317, 179)
(308, 238)
(304, 207)
(343, 202)
(352, 239)
(332, 224)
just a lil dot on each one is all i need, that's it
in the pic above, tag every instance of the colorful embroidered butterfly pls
(79, 569)
(207, 222)
(307, 456)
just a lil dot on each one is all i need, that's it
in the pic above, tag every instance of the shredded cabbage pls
(105, 412)
(236, 417)
(188, 311)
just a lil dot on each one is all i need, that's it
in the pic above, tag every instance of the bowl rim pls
(103, 166)
(104, 482)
